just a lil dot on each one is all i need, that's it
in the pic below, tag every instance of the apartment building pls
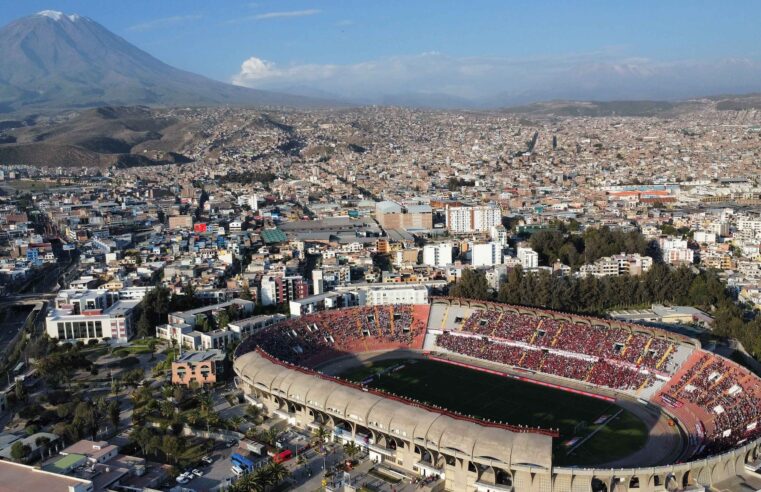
(437, 255)
(623, 264)
(528, 257)
(488, 254)
(278, 290)
(468, 220)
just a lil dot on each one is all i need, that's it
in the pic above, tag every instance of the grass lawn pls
(360, 373)
(503, 399)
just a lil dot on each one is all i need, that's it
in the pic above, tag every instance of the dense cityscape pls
(376, 297)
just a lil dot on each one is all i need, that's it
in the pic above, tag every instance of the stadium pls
(493, 397)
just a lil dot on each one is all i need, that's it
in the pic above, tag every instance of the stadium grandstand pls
(713, 403)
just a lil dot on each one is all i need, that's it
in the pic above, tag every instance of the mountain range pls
(50, 60)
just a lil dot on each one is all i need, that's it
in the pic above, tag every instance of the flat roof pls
(212, 354)
(66, 463)
(16, 477)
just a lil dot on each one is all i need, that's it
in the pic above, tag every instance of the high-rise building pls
(488, 254)
(437, 255)
(277, 290)
(467, 220)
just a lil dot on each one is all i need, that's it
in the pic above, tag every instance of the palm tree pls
(235, 422)
(276, 473)
(167, 408)
(192, 417)
(351, 449)
(321, 433)
(249, 482)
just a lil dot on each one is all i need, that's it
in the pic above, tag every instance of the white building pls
(250, 200)
(500, 235)
(675, 251)
(631, 264)
(385, 294)
(181, 326)
(704, 237)
(92, 314)
(467, 220)
(528, 257)
(488, 254)
(437, 255)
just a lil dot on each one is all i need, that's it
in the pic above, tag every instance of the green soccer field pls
(503, 399)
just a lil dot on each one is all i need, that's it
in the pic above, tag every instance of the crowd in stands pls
(298, 339)
(610, 343)
(590, 370)
(726, 392)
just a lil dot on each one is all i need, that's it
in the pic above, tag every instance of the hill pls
(52, 61)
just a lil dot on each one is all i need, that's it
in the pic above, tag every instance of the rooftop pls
(195, 357)
(15, 477)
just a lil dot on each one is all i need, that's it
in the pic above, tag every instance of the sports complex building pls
(700, 412)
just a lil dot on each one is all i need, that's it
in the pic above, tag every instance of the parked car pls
(197, 472)
(208, 460)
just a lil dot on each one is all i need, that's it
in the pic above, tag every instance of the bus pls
(242, 462)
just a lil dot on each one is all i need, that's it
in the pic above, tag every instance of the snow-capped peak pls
(57, 16)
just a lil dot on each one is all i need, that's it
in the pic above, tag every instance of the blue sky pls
(467, 49)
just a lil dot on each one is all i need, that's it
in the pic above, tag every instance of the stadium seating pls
(611, 343)
(597, 372)
(728, 395)
(303, 339)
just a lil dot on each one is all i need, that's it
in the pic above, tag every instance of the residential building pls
(528, 257)
(207, 367)
(278, 290)
(437, 255)
(488, 254)
(468, 220)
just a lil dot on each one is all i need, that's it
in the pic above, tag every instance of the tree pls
(472, 285)
(171, 447)
(321, 433)
(20, 451)
(276, 473)
(166, 408)
(86, 419)
(223, 319)
(153, 446)
(19, 391)
(113, 413)
(351, 449)
(144, 326)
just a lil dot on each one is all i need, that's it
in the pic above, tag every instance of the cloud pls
(601, 75)
(274, 15)
(290, 13)
(164, 22)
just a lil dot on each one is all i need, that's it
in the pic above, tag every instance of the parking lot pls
(216, 473)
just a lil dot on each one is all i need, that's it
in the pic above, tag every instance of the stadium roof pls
(405, 419)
